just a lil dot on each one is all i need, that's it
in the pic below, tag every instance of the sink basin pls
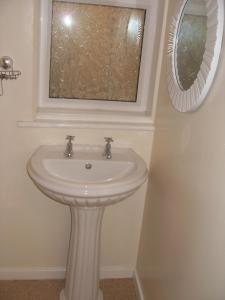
(87, 182)
(87, 179)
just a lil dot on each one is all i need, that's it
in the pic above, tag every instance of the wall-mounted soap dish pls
(6, 71)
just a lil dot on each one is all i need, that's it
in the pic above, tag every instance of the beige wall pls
(34, 229)
(182, 249)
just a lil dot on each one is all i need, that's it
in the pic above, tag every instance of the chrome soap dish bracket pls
(6, 71)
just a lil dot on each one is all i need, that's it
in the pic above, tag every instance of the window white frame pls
(47, 107)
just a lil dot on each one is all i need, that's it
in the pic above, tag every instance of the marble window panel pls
(95, 51)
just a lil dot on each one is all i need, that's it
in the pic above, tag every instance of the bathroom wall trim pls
(59, 273)
(138, 287)
(96, 121)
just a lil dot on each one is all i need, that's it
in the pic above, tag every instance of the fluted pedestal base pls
(82, 275)
(62, 295)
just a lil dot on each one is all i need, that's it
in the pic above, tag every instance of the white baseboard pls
(59, 273)
(138, 287)
(116, 272)
(31, 273)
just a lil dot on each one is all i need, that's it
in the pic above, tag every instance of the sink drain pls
(88, 166)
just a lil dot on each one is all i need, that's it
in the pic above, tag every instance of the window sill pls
(93, 120)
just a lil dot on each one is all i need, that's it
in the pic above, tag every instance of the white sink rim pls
(50, 183)
(65, 170)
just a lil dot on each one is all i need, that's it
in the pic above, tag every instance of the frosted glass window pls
(95, 51)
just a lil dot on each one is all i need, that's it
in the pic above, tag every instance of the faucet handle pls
(70, 137)
(109, 139)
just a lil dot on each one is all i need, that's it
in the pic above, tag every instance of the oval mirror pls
(193, 52)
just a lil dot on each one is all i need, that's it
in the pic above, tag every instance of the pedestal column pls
(82, 275)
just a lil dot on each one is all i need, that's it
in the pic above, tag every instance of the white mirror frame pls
(191, 99)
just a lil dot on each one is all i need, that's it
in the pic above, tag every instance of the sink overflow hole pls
(88, 166)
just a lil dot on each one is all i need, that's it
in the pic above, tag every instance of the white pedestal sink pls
(87, 182)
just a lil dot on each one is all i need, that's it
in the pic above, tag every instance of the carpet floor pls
(113, 289)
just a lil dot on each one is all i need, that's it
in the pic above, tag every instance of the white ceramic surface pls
(87, 182)
(70, 182)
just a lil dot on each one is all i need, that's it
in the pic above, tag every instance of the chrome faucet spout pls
(69, 147)
(107, 152)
